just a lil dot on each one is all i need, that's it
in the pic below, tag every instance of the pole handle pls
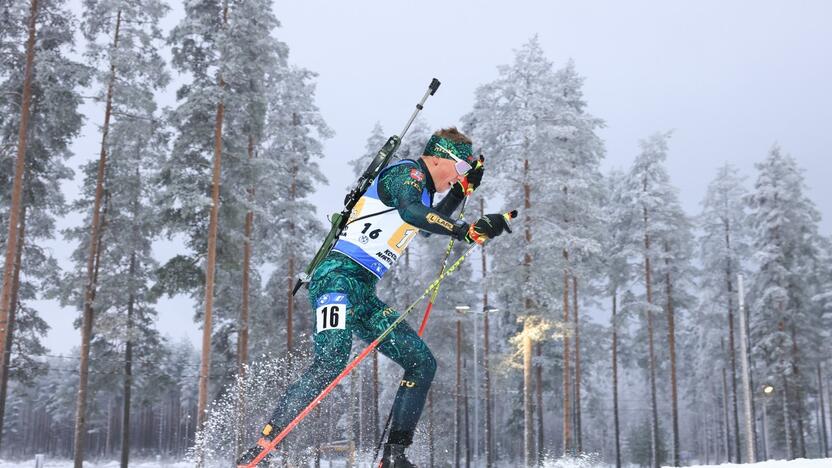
(434, 85)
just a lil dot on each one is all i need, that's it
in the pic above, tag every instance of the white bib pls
(331, 313)
(376, 236)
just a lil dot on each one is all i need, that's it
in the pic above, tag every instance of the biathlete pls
(397, 205)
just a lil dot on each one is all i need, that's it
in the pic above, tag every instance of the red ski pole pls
(441, 270)
(480, 162)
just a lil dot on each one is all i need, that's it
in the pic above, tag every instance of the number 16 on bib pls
(331, 313)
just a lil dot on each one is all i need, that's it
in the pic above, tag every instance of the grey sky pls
(731, 78)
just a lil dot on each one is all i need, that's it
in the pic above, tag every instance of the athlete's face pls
(443, 172)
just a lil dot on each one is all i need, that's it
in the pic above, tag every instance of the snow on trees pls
(532, 120)
(114, 256)
(783, 323)
(724, 252)
(662, 237)
(54, 120)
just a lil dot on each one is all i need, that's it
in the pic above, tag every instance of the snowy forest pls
(611, 324)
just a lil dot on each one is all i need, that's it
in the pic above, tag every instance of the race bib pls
(376, 235)
(331, 313)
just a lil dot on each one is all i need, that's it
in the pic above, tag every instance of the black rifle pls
(380, 161)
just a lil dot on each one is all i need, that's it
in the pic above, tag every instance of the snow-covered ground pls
(799, 463)
(110, 464)
(574, 463)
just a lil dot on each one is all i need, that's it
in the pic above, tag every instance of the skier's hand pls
(471, 181)
(490, 226)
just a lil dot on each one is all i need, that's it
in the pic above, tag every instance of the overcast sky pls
(730, 78)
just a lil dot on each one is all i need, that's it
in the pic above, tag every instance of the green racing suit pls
(367, 316)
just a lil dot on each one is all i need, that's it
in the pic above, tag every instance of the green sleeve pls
(401, 187)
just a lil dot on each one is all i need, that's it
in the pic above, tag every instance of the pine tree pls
(724, 247)
(288, 169)
(784, 225)
(619, 275)
(54, 120)
(9, 265)
(647, 189)
(577, 204)
(231, 56)
(677, 277)
(199, 48)
(123, 39)
(551, 143)
(374, 142)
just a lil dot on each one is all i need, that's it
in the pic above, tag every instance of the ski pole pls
(445, 260)
(424, 322)
(441, 270)
(428, 308)
(315, 402)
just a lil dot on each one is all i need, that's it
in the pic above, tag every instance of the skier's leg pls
(330, 297)
(332, 351)
(404, 346)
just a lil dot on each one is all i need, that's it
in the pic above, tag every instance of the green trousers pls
(367, 317)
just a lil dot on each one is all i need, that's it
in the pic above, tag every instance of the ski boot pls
(252, 453)
(394, 457)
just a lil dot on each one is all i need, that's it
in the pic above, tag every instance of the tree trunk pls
(467, 427)
(290, 273)
(824, 443)
(787, 421)
(567, 387)
(242, 343)
(648, 282)
(732, 347)
(17, 191)
(242, 339)
(109, 427)
(798, 391)
(712, 429)
(539, 378)
(528, 306)
(211, 257)
(489, 449)
(7, 356)
(89, 293)
(766, 444)
(128, 369)
(528, 443)
(725, 410)
(829, 403)
(376, 435)
(615, 381)
(489, 411)
(430, 430)
(576, 325)
(747, 385)
(671, 343)
(354, 412)
(458, 395)
(732, 356)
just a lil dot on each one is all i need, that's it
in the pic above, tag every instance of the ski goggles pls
(462, 167)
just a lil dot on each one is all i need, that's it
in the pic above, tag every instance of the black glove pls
(471, 181)
(489, 227)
